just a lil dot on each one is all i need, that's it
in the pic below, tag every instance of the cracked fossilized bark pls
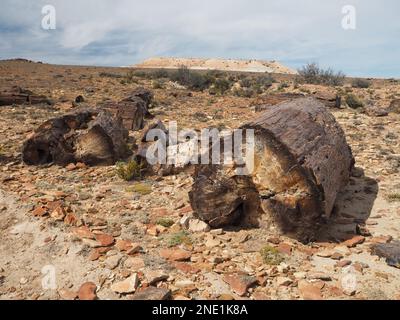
(301, 162)
(90, 136)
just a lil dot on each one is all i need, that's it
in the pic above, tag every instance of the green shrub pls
(191, 79)
(265, 81)
(271, 255)
(243, 92)
(313, 74)
(129, 170)
(140, 188)
(246, 82)
(222, 85)
(110, 75)
(178, 238)
(157, 84)
(353, 101)
(394, 197)
(165, 222)
(160, 74)
(360, 83)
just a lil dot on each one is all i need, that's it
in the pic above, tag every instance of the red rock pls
(334, 291)
(185, 210)
(105, 240)
(153, 231)
(80, 165)
(52, 205)
(274, 240)
(129, 246)
(175, 254)
(58, 213)
(186, 268)
(239, 283)
(70, 219)
(40, 211)
(70, 167)
(87, 291)
(337, 256)
(83, 233)
(308, 291)
(160, 212)
(285, 248)
(66, 294)
(381, 239)
(94, 255)
(343, 263)
(354, 241)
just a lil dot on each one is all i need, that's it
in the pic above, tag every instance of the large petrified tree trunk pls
(301, 161)
(17, 95)
(90, 136)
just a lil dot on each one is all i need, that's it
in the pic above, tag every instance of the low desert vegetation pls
(353, 101)
(165, 222)
(271, 255)
(176, 239)
(360, 83)
(129, 170)
(312, 74)
(216, 82)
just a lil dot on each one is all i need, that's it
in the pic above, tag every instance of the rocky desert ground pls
(82, 232)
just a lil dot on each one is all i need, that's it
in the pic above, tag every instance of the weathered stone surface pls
(152, 293)
(389, 251)
(126, 286)
(87, 291)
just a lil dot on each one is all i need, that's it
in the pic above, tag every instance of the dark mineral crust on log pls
(90, 136)
(17, 95)
(301, 162)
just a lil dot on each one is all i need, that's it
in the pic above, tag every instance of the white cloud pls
(123, 32)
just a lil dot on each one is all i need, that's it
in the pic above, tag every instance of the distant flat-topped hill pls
(216, 64)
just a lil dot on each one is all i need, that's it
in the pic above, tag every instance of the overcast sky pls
(124, 32)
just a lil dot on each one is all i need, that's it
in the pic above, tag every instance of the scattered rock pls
(239, 283)
(351, 243)
(112, 262)
(175, 254)
(309, 291)
(284, 281)
(152, 293)
(134, 263)
(389, 251)
(196, 225)
(87, 291)
(128, 246)
(126, 286)
(154, 276)
(105, 240)
(66, 294)
(58, 214)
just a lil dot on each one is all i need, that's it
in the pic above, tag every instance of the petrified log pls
(330, 100)
(131, 112)
(146, 96)
(266, 102)
(301, 162)
(18, 95)
(90, 136)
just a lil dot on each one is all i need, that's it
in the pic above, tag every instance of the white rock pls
(284, 281)
(196, 225)
(129, 285)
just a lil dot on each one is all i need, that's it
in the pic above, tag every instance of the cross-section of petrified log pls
(301, 162)
(90, 136)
